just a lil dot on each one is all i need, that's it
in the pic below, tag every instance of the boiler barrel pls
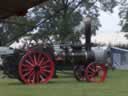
(101, 54)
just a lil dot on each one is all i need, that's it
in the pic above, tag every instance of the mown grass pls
(115, 85)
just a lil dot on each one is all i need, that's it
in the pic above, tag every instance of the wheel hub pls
(36, 68)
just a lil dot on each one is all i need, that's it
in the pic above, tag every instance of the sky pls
(110, 21)
(113, 38)
(110, 32)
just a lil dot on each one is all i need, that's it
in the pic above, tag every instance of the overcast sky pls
(110, 22)
(110, 33)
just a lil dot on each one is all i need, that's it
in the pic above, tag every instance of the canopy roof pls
(16, 7)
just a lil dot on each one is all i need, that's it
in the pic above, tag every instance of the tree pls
(13, 28)
(124, 15)
(66, 14)
(55, 20)
(61, 22)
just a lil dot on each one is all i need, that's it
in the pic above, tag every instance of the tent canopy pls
(16, 7)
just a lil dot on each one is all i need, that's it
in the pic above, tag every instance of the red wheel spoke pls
(38, 77)
(41, 70)
(44, 75)
(90, 71)
(39, 57)
(47, 71)
(91, 75)
(27, 66)
(42, 78)
(98, 68)
(93, 70)
(31, 60)
(27, 70)
(93, 66)
(35, 60)
(27, 73)
(28, 62)
(30, 76)
(42, 60)
(46, 62)
(33, 78)
(46, 66)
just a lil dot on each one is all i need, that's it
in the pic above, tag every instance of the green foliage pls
(124, 15)
(55, 20)
(65, 15)
(12, 32)
(63, 18)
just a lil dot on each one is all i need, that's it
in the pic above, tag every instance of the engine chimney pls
(88, 33)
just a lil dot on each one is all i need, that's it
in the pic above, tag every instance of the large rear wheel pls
(36, 67)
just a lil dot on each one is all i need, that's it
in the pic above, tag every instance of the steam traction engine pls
(37, 65)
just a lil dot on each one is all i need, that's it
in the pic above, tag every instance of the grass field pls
(115, 85)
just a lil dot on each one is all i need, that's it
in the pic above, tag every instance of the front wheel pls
(96, 73)
(78, 71)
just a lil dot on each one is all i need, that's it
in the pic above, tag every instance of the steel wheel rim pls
(36, 67)
(96, 73)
